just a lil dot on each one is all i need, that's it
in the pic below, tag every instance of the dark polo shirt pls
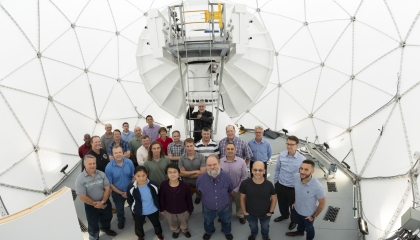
(102, 159)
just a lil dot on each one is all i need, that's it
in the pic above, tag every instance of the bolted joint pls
(352, 77)
(311, 115)
(258, 10)
(305, 24)
(276, 53)
(250, 38)
(118, 79)
(38, 54)
(145, 14)
(73, 25)
(279, 85)
(117, 33)
(397, 97)
(348, 130)
(86, 70)
(402, 44)
(50, 98)
(97, 120)
(251, 21)
(36, 148)
(353, 19)
(322, 64)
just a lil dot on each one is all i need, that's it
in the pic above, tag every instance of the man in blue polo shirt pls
(308, 191)
(287, 165)
(261, 149)
(215, 188)
(118, 142)
(120, 174)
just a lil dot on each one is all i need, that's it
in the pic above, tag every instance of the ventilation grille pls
(83, 227)
(331, 187)
(73, 192)
(331, 214)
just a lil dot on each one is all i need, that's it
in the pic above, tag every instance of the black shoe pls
(144, 222)
(229, 236)
(197, 200)
(292, 225)
(266, 238)
(109, 232)
(252, 237)
(187, 234)
(121, 225)
(206, 236)
(279, 219)
(293, 234)
(219, 220)
(175, 234)
(242, 220)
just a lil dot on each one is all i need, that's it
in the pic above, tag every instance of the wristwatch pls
(102, 202)
(313, 216)
(271, 212)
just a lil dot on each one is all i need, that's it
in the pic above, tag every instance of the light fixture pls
(285, 131)
(326, 145)
(363, 226)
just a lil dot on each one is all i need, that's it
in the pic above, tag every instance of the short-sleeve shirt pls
(207, 150)
(307, 195)
(190, 165)
(123, 144)
(105, 141)
(152, 132)
(242, 149)
(176, 149)
(93, 187)
(157, 169)
(120, 176)
(83, 150)
(134, 144)
(258, 196)
(102, 159)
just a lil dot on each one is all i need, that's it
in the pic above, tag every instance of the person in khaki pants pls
(175, 201)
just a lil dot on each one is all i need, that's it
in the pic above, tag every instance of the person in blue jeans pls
(308, 192)
(215, 187)
(120, 174)
(261, 198)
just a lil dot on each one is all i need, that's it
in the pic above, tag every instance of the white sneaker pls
(268, 175)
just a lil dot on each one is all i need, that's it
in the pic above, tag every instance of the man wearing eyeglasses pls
(287, 165)
(236, 168)
(202, 118)
(261, 149)
(260, 201)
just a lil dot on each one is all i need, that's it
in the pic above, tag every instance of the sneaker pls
(206, 236)
(266, 238)
(175, 234)
(126, 204)
(114, 210)
(197, 200)
(140, 238)
(296, 233)
(120, 225)
(229, 236)
(187, 234)
(252, 237)
(242, 220)
(161, 237)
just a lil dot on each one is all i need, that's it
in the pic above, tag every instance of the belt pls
(291, 188)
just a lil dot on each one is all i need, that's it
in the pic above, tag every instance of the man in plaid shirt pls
(242, 149)
(176, 148)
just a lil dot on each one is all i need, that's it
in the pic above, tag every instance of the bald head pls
(258, 164)
(137, 132)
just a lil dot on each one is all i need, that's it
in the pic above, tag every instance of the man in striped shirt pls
(206, 145)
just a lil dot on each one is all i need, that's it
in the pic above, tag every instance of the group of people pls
(157, 174)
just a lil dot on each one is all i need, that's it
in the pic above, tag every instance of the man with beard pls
(215, 187)
(308, 191)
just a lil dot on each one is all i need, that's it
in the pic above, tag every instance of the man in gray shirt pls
(308, 192)
(107, 138)
(92, 187)
(192, 165)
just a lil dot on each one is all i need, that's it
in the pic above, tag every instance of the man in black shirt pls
(100, 154)
(202, 118)
(261, 198)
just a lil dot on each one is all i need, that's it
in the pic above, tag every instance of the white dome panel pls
(395, 156)
(329, 82)
(350, 7)
(131, 32)
(304, 129)
(107, 63)
(326, 131)
(341, 56)
(404, 13)
(336, 109)
(290, 67)
(323, 10)
(34, 106)
(118, 105)
(28, 167)
(285, 8)
(52, 163)
(126, 48)
(97, 14)
(411, 116)
(29, 78)
(55, 135)
(66, 49)
(101, 90)
(71, 9)
(52, 23)
(124, 13)
(266, 108)
(17, 200)
(83, 103)
(92, 42)
(301, 46)
(137, 94)
(53, 71)
(288, 104)
(410, 69)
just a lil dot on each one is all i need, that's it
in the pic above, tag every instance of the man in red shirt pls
(85, 148)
